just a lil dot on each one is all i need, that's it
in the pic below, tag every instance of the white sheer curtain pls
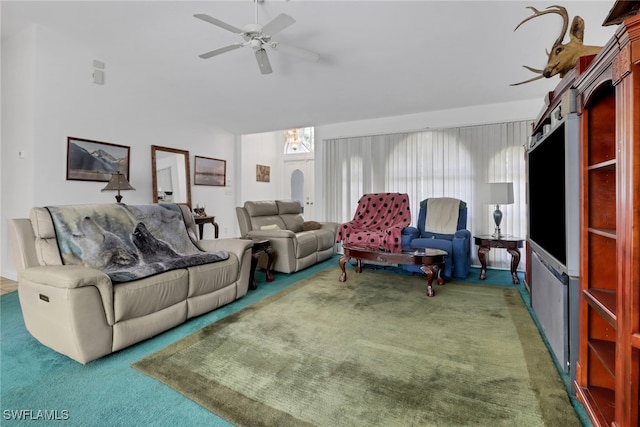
(455, 162)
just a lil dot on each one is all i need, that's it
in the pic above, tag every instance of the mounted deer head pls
(563, 57)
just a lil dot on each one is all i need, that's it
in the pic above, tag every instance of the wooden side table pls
(202, 220)
(510, 243)
(260, 246)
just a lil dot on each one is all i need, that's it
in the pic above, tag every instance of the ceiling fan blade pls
(263, 61)
(221, 50)
(278, 24)
(218, 23)
(296, 51)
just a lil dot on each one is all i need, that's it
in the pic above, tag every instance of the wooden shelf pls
(599, 403)
(635, 342)
(609, 165)
(609, 233)
(608, 382)
(604, 302)
(606, 353)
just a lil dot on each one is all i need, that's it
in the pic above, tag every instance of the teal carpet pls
(41, 387)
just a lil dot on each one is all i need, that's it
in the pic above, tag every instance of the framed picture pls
(210, 171)
(95, 161)
(262, 173)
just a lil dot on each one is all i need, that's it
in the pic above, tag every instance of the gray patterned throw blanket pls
(127, 242)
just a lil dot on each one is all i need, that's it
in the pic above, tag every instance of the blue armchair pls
(440, 230)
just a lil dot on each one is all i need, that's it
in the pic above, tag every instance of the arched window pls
(298, 141)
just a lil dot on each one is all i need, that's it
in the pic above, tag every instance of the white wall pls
(261, 149)
(18, 128)
(47, 95)
(20, 71)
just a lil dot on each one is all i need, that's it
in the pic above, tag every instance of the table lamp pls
(118, 182)
(500, 193)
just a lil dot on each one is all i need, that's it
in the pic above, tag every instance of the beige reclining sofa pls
(298, 244)
(79, 312)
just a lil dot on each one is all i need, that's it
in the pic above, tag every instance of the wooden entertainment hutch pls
(608, 104)
(604, 91)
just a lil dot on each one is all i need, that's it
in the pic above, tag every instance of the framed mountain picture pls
(89, 160)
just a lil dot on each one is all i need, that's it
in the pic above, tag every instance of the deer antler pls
(559, 10)
(565, 24)
(535, 70)
(563, 57)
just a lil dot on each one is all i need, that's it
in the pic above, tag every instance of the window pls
(297, 141)
(452, 162)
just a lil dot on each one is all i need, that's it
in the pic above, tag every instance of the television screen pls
(546, 182)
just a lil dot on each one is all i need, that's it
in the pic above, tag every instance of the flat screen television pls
(547, 195)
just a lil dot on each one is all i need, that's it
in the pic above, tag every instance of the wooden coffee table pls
(431, 262)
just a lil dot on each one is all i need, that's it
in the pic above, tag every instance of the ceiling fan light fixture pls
(258, 37)
(253, 29)
(263, 61)
(256, 44)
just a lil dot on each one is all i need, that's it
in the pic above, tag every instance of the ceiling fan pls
(258, 37)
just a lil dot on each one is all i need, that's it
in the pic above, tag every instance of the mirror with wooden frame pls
(170, 175)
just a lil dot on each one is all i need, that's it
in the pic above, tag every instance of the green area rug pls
(371, 351)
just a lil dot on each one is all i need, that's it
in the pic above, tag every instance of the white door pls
(299, 181)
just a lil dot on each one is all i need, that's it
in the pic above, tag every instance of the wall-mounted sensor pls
(98, 77)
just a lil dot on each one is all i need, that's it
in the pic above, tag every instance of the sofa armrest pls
(241, 248)
(244, 221)
(462, 234)
(332, 226)
(22, 242)
(410, 231)
(408, 234)
(65, 276)
(70, 277)
(236, 246)
(461, 246)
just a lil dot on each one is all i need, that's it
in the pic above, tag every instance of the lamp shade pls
(500, 193)
(118, 182)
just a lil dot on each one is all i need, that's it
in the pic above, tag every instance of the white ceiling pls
(378, 58)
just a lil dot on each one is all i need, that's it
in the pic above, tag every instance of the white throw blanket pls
(442, 215)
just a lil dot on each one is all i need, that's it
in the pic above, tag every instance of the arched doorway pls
(300, 184)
